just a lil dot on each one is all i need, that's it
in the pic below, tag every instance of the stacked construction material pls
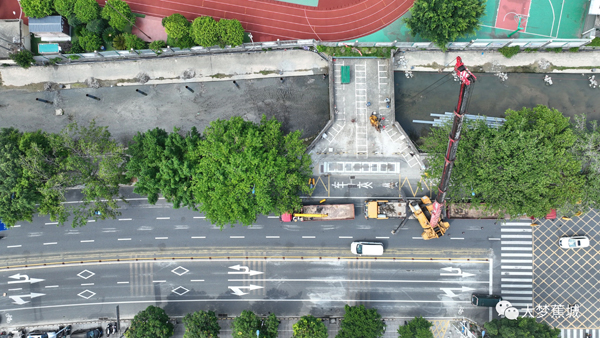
(442, 119)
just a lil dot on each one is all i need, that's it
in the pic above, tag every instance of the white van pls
(367, 248)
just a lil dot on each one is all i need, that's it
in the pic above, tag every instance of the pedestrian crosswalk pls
(516, 264)
(579, 333)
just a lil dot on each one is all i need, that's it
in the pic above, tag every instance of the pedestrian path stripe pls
(523, 280)
(515, 292)
(516, 236)
(524, 261)
(516, 248)
(516, 267)
(517, 298)
(516, 242)
(507, 254)
(515, 230)
(516, 286)
(516, 224)
(516, 273)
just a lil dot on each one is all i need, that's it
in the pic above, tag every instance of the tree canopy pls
(64, 7)
(96, 26)
(134, 41)
(416, 328)
(176, 26)
(247, 169)
(37, 8)
(231, 32)
(526, 167)
(360, 322)
(201, 324)
(89, 41)
(86, 10)
(23, 58)
(205, 31)
(111, 12)
(520, 328)
(310, 327)
(246, 325)
(443, 21)
(152, 322)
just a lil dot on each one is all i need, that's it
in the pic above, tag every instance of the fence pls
(307, 44)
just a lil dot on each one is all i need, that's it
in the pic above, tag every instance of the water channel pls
(417, 97)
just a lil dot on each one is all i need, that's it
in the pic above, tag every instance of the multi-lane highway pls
(154, 254)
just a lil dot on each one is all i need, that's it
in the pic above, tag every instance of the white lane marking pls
(123, 239)
(197, 280)
(457, 238)
(237, 236)
(493, 239)
(109, 230)
(161, 237)
(199, 216)
(505, 254)
(87, 241)
(522, 280)
(91, 220)
(347, 237)
(86, 284)
(272, 237)
(51, 286)
(506, 273)
(158, 281)
(516, 286)
(145, 228)
(122, 282)
(526, 261)
(125, 219)
(17, 289)
(17, 226)
(182, 227)
(272, 216)
(14, 246)
(515, 236)
(417, 238)
(516, 248)
(163, 217)
(517, 292)
(309, 237)
(517, 298)
(516, 267)
(511, 224)
(198, 236)
(35, 234)
(515, 230)
(255, 227)
(354, 280)
(516, 242)
(382, 237)
(51, 223)
(51, 243)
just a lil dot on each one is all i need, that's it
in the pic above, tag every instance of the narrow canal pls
(421, 95)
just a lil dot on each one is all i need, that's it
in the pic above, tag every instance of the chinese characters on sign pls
(555, 311)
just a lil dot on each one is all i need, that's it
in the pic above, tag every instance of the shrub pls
(73, 57)
(23, 58)
(133, 41)
(574, 49)
(231, 32)
(73, 20)
(531, 50)
(64, 7)
(86, 10)
(96, 26)
(555, 50)
(54, 61)
(205, 31)
(108, 35)
(116, 20)
(509, 52)
(119, 42)
(37, 8)
(176, 26)
(157, 45)
(89, 41)
(185, 42)
(79, 29)
(75, 46)
(595, 42)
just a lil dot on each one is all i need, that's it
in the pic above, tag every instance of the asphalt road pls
(306, 267)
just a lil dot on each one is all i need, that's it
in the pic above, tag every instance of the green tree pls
(23, 58)
(157, 45)
(360, 322)
(524, 167)
(245, 325)
(152, 322)
(64, 7)
(37, 8)
(108, 35)
(176, 26)
(96, 26)
(443, 21)
(247, 169)
(134, 41)
(269, 327)
(310, 327)
(205, 31)
(118, 21)
(73, 20)
(416, 328)
(119, 42)
(521, 327)
(164, 164)
(231, 32)
(89, 41)
(86, 10)
(201, 324)
(18, 195)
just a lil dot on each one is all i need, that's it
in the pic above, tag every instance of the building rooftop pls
(10, 37)
(47, 24)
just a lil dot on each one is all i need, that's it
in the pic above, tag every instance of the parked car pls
(367, 248)
(480, 299)
(574, 242)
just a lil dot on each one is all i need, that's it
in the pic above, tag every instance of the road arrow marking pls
(458, 272)
(237, 290)
(26, 279)
(449, 291)
(246, 271)
(19, 299)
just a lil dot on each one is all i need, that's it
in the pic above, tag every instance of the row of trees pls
(203, 31)
(358, 322)
(232, 172)
(537, 161)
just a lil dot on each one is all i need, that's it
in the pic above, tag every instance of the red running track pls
(268, 20)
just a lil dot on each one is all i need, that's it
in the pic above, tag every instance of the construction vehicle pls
(428, 214)
(375, 121)
(321, 212)
(385, 209)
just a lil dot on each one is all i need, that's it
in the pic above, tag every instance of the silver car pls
(574, 242)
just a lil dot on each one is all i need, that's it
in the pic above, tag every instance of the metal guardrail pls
(308, 44)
